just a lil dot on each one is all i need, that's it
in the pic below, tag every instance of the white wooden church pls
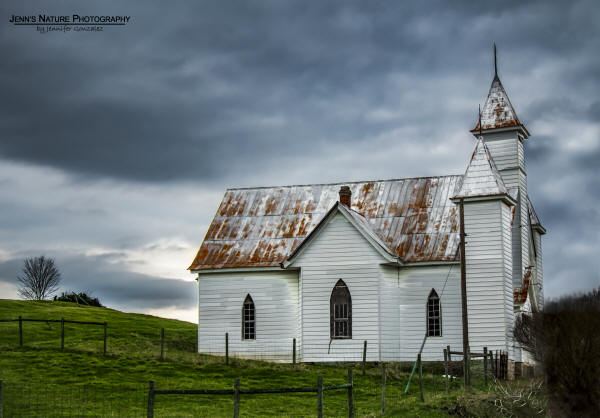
(334, 265)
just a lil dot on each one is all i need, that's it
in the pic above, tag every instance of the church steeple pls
(498, 112)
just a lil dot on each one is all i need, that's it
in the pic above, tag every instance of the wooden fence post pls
(364, 357)
(420, 377)
(227, 349)
(449, 355)
(20, 331)
(383, 379)
(320, 396)
(105, 325)
(62, 333)
(497, 363)
(162, 344)
(151, 399)
(447, 371)
(294, 352)
(485, 365)
(350, 394)
(236, 398)
(468, 366)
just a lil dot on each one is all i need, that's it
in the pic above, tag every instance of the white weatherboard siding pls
(390, 313)
(339, 251)
(509, 156)
(509, 318)
(404, 311)
(523, 228)
(486, 275)
(504, 150)
(275, 296)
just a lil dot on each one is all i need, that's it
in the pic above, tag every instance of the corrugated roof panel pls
(414, 218)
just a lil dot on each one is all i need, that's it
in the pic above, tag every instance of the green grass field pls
(40, 379)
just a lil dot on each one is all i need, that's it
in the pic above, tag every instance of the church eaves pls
(482, 178)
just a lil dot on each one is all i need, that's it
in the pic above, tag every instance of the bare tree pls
(40, 278)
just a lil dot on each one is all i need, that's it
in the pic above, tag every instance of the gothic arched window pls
(434, 315)
(248, 319)
(340, 311)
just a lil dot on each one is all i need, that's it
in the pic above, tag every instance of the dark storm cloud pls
(219, 87)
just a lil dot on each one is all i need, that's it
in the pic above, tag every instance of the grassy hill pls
(42, 379)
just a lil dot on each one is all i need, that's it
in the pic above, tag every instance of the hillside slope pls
(40, 379)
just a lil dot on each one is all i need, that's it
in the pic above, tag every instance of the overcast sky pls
(116, 146)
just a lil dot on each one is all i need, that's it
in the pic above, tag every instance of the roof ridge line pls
(343, 182)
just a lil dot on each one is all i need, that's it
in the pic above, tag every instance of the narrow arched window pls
(340, 311)
(434, 315)
(248, 319)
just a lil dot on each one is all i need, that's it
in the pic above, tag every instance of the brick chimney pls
(345, 196)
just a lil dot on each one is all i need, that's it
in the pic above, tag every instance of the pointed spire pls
(497, 111)
(482, 177)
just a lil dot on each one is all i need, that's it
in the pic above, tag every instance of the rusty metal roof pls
(482, 178)
(261, 227)
(497, 112)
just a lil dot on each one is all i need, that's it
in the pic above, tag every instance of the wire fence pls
(37, 399)
(292, 350)
(100, 338)
(177, 344)
(376, 387)
(382, 388)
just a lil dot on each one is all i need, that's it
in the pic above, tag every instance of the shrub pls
(79, 298)
(565, 338)
(510, 399)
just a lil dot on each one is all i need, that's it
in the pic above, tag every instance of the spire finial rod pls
(479, 121)
(495, 62)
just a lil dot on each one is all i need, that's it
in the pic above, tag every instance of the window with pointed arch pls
(434, 315)
(248, 319)
(340, 311)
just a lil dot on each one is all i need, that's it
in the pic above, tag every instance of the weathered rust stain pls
(213, 229)
(303, 227)
(270, 205)
(289, 230)
(247, 230)
(393, 209)
(520, 294)
(257, 255)
(422, 222)
(221, 234)
(410, 224)
(225, 205)
(421, 195)
(298, 207)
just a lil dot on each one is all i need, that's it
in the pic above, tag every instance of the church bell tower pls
(504, 135)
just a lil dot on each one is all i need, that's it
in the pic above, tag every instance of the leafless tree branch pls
(40, 278)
